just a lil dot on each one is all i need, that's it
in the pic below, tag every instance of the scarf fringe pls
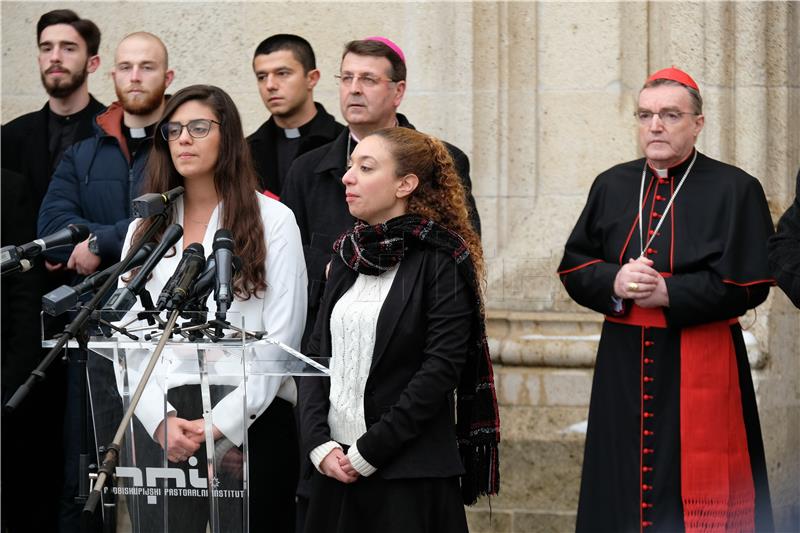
(482, 476)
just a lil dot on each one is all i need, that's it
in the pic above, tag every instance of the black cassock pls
(712, 245)
(784, 250)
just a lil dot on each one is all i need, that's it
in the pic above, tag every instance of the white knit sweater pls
(353, 325)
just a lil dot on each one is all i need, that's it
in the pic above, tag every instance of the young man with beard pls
(32, 146)
(94, 185)
(286, 71)
(98, 177)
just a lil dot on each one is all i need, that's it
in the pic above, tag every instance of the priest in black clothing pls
(286, 72)
(672, 249)
(784, 250)
(372, 83)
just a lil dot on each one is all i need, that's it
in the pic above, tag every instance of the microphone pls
(154, 203)
(13, 258)
(65, 297)
(169, 287)
(123, 298)
(223, 254)
(205, 283)
(194, 265)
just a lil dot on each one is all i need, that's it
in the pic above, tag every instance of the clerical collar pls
(291, 133)
(661, 172)
(138, 133)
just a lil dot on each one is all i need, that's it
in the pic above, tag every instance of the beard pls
(143, 103)
(61, 88)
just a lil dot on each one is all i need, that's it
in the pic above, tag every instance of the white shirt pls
(280, 310)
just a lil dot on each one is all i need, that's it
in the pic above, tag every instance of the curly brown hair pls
(234, 179)
(440, 195)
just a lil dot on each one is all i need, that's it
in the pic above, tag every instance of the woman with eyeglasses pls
(406, 430)
(200, 146)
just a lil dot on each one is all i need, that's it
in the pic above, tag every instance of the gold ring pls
(633, 287)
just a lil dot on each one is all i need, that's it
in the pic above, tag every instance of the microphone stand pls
(78, 329)
(111, 458)
(73, 329)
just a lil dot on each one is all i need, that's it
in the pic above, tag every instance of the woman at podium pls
(199, 144)
(406, 431)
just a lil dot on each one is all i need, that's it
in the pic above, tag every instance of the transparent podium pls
(183, 463)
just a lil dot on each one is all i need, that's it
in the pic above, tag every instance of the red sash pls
(716, 478)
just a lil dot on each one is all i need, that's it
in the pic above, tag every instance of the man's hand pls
(82, 260)
(53, 267)
(331, 466)
(658, 298)
(180, 437)
(636, 280)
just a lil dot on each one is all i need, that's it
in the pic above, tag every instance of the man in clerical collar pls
(98, 177)
(286, 72)
(372, 84)
(671, 248)
(32, 145)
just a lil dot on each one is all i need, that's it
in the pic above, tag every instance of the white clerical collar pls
(292, 133)
(138, 133)
(662, 172)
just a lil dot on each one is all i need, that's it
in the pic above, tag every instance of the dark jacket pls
(784, 250)
(315, 192)
(94, 185)
(321, 130)
(420, 350)
(25, 145)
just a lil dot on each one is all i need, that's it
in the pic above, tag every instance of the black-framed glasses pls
(667, 116)
(197, 128)
(366, 80)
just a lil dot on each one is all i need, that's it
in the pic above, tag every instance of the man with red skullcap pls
(672, 249)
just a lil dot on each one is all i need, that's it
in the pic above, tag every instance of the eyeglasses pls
(667, 117)
(197, 128)
(365, 80)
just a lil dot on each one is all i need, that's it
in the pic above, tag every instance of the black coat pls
(25, 145)
(784, 250)
(319, 131)
(420, 349)
(315, 192)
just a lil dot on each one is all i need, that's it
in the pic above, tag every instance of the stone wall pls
(540, 96)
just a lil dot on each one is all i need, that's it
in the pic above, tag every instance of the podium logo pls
(147, 484)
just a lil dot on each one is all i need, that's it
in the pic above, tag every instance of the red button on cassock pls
(647, 487)
(646, 524)
(647, 433)
(647, 397)
(656, 215)
(652, 251)
(647, 451)
(648, 361)
(646, 505)
(649, 343)
(648, 379)
(647, 469)
(648, 414)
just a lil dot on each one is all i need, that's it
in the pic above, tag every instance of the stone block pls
(543, 522)
(485, 521)
(565, 31)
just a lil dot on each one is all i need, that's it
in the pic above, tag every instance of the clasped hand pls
(337, 465)
(181, 437)
(639, 281)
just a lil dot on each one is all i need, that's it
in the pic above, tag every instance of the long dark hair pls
(234, 180)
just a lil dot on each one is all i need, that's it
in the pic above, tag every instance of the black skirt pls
(373, 504)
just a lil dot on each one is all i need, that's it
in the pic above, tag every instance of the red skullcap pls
(674, 74)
